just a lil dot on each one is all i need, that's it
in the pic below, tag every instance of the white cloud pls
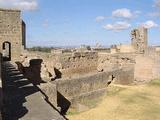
(100, 18)
(122, 13)
(117, 26)
(19, 4)
(157, 3)
(149, 24)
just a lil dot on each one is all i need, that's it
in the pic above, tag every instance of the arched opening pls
(6, 51)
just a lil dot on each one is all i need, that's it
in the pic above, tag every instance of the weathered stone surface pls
(50, 92)
(11, 32)
(79, 74)
(139, 39)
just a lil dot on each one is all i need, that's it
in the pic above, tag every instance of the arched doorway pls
(6, 51)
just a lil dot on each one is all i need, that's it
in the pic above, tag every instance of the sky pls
(77, 22)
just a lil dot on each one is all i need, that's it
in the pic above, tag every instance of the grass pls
(89, 104)
(114, 90)
(140, 102)
(154, 83)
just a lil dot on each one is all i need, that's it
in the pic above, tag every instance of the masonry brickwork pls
(11, 32)
(139, 39)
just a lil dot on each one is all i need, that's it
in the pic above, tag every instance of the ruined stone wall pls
(11, 31)
(147, 66)
(76, 91)
(67, 64)
(121, 62)
(78, 63)
(139, 39)
(79, 89)
(126, 49)
(105, 50)
(108, 62)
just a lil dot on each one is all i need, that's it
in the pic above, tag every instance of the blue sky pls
(76, 22)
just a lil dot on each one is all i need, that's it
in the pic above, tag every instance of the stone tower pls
(12, 34)
(139, 39)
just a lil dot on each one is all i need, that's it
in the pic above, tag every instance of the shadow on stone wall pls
(63, 103)
(16, 89)
(58, 73)
(33, 72)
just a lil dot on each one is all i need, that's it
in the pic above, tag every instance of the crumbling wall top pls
(10, 10)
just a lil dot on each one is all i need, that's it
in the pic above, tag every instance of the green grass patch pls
(72, 112)
(154, 83)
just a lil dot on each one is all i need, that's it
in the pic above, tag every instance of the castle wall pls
(68, 64)
(11, 31)
(139, 39)
(123, 62)
(147, 66)
(78, 63)
(77, 90)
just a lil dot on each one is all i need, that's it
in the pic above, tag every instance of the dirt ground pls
(140, 102)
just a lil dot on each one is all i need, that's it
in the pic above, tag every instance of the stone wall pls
(147, 66)
(66, 64)
(77, 90)
(78, 63)
(122, 62)
(126, 49)
(139, 39)
(11, 31)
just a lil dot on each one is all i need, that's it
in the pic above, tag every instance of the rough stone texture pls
(126, 49)
(102, 50)
(78, 89)
(139, 39)
(147, 66)
(87, 83)
(78, 63)
(125, 76)
(143, 68)
(11, 31)
(50, 92)
(67, 64)
(109, 62)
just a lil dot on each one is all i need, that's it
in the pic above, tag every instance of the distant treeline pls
(41, 49)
